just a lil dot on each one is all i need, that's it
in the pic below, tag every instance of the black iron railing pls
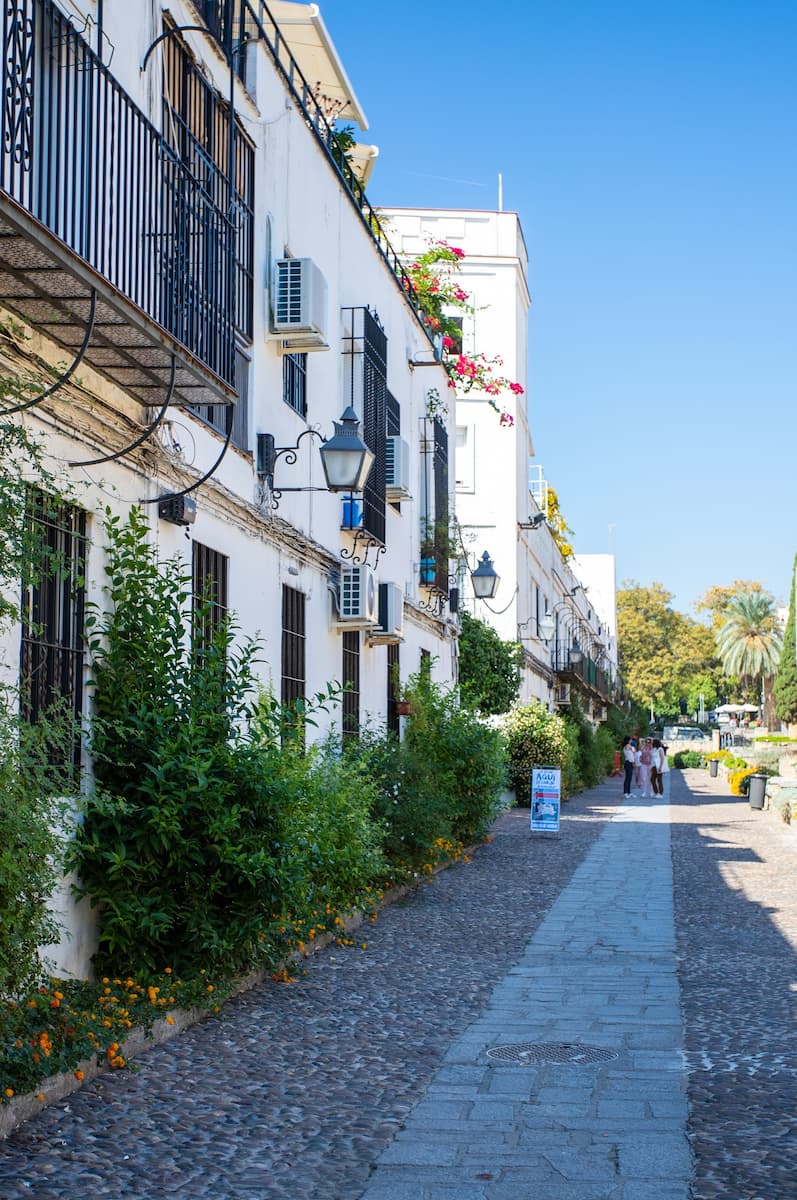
(237, 24)
(80, 157)
(585, 671)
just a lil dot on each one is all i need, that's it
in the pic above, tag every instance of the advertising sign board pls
(546, 794)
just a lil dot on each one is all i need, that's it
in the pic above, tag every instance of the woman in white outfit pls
(665, 774)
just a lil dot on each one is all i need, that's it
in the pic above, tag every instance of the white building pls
(501, 505)
(224, 292)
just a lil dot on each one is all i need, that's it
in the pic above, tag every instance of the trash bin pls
(757, 790)
(713, 767)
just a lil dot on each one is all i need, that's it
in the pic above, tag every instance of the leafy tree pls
(646, 626)
(784, 691)
(750, 639)
(665, 656)
(716, 600)
(489, 668)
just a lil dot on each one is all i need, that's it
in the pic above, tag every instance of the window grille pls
(211, 598)
(294, 382)
(293, 646)
(392, 687)
(365, 350)
(196, 123)
(217, 415)
(393, 428)
(441, 513)
(351, 684)
(51, 650)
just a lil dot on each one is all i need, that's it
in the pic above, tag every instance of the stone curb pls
(58, 1087)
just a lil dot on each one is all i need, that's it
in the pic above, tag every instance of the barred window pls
(210, 587)
(351, 684)
(392, 687)
(53, 601)
(294, 648)
(294, 382)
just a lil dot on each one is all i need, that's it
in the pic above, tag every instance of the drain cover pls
(574, 1053)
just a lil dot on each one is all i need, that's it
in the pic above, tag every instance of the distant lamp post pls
(484, 579)
(576, 654)
(547, 627)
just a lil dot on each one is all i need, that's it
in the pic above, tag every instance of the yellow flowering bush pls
(738, 780)
(63, 1023)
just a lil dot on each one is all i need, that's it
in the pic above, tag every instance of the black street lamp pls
(484, 579)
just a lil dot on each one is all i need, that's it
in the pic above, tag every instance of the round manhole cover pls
(574, 1053)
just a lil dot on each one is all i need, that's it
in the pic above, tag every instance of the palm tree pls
(750, 640)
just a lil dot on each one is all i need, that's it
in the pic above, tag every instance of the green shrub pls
(30, 844)
(606, 745)
(179, 842)
(441, 785)
(489, 668)
(687, 758)
(452, 758)
(330, 847)
(585, 765)
(535, 737)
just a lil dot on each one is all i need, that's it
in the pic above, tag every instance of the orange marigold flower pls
(170, 1020)
(40, 1097)
(80, 1076)
(9, 1092)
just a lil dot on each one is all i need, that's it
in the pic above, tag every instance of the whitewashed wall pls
(303, 210)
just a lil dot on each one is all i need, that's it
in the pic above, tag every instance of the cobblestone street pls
(300, 1090)
(736, 916)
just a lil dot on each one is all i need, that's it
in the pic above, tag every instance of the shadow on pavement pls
(735, 895)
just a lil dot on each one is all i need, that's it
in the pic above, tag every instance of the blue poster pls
(546, 794)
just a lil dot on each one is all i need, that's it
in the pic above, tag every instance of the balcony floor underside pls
(50, 288)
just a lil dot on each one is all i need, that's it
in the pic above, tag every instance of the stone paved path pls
(599, 972)
(299, 1090)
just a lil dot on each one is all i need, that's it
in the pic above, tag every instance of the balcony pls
(586, 674)
(100, 215)
(237, 24)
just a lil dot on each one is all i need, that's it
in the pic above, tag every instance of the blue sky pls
(649, 151)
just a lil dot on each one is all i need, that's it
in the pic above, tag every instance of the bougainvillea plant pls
(432, 276)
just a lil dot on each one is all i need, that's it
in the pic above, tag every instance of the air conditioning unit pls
(357, 597)
(397, 469)
(299, 305)
(561, 693)
(391, 615)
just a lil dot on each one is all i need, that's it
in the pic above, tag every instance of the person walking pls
(629, 761)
